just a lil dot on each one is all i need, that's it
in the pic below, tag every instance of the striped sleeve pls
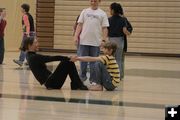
(104, 60)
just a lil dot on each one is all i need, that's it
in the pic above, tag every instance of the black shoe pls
(78, 87)
(52, 87)
(83, 87)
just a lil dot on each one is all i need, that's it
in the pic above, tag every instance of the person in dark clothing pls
(55, 80)
(116, 31)
(28, 30)
(2, 28)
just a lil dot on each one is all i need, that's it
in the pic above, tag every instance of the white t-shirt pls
(93, 21)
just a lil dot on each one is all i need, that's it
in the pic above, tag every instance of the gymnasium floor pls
(150, 84)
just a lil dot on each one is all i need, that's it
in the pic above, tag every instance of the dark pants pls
(58, 77)
(1, 50)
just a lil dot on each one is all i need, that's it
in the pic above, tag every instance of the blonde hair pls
(110, 46)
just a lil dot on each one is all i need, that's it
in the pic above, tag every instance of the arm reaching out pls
(88, 59)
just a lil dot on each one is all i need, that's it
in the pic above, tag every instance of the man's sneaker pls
(20, 63)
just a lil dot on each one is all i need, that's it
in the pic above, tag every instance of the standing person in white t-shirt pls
(92, 24)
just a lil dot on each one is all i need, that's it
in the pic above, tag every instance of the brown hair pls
(109, 46)
(26, 7)
(1, 9)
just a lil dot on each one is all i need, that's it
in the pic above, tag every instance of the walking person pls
(92, 28)
(2, 28)
(28, 30)
(56, 79)
(117, 30)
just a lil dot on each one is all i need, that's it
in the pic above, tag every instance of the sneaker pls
(20, 63)
(93, 83)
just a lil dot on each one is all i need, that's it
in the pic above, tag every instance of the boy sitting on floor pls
(106, 71)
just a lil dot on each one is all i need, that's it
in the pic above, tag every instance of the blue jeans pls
(1, 50)
(119, 55)
(22, 55)
(102, 76)
(86, 50)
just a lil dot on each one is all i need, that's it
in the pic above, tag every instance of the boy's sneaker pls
(20, 63)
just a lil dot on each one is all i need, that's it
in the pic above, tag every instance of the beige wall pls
(13, 32)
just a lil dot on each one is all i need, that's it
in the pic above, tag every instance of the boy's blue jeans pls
(102, 76)
(86, 50)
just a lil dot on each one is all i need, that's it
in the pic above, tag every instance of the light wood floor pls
(150, 84)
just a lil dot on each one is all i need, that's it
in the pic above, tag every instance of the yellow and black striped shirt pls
(112, 68)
